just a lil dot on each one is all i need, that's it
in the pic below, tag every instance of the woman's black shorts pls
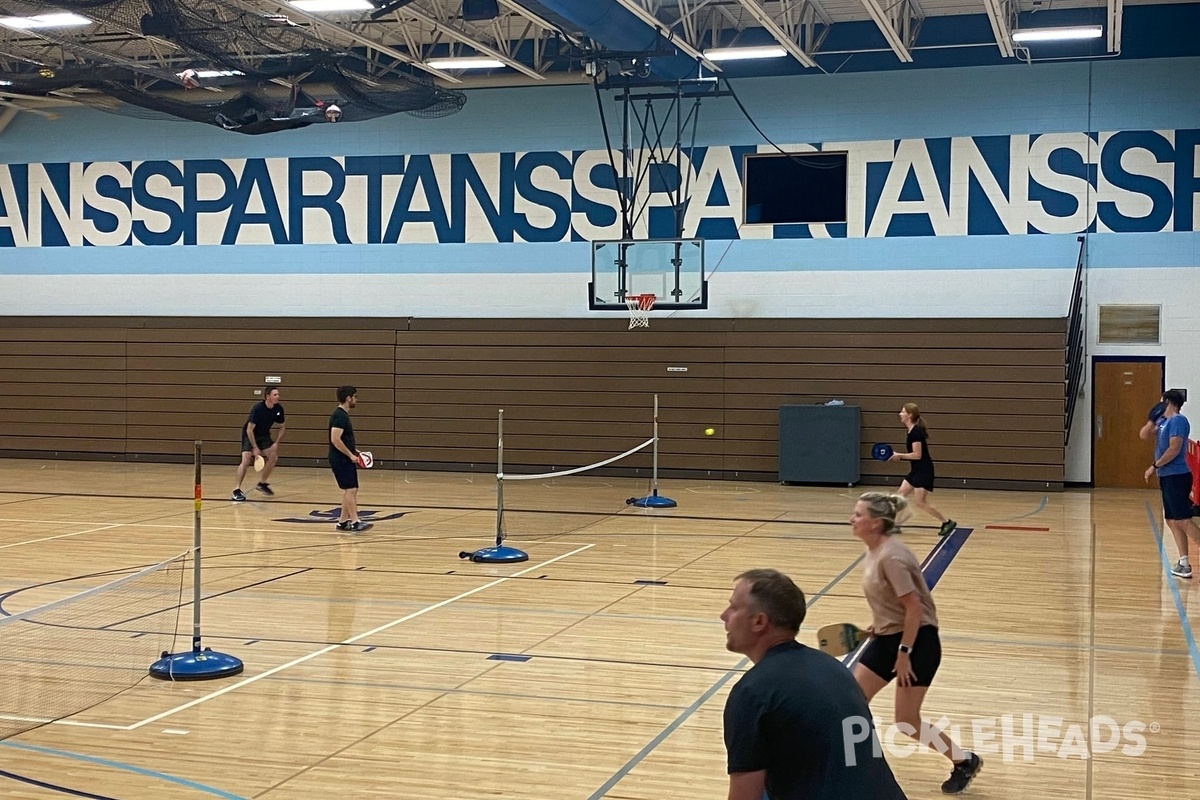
(879, 655)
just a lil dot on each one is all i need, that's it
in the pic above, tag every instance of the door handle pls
(1099, 426)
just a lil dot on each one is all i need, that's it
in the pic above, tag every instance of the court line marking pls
(54, 787)
(61, 535)
(1016, 528)
(42, 721)
(442, 690)
(351, 640)
(1180, 609)
(1041, 507)
(105, 762)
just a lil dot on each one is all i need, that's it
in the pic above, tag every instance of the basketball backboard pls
(670, 269)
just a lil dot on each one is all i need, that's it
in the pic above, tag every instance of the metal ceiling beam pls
(1002, 14)
(898, 23)
(8, 115)
(481, 47)
(11, 108)
(542, 23)
(321, 24)
(1116, 11)
(84, 53)
(810, 12)
(665, 31)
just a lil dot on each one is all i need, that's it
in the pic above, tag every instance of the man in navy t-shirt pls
(1170, 432)
(797, 726)
(256, 441)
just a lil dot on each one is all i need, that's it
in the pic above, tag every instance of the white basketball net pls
(639, 309)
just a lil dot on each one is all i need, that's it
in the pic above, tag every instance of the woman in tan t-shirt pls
(904, 640)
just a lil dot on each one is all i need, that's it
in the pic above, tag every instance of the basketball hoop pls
(639, 309)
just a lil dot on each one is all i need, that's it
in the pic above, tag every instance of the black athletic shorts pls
(1176, 495)
(263, 444)
(345, 472)
(879, 655)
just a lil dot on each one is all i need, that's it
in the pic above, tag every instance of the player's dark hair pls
(345, 391)
(1174, 397)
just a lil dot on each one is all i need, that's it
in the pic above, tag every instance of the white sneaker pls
(1180, 570)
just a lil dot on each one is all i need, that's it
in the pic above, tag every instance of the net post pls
(654, 500)
(500, 554)
(199, 663)
(197, 494)
(500, 479)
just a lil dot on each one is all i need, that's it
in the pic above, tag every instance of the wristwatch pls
(905, 649)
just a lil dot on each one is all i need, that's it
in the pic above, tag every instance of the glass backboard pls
(670, 269)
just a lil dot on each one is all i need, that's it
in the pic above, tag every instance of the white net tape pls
(576, 470)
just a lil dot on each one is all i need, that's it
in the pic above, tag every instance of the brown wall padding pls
(574, 391)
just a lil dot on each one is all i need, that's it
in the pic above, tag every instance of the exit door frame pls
(1162, 361)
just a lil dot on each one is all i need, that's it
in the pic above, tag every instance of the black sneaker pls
(265, 488)
(237, 495)
(963, 773)
(947, 528)
(359, 527)
(345, 525)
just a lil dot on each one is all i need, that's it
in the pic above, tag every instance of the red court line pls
(1014, 528)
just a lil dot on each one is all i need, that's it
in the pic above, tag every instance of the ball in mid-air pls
(709, 431)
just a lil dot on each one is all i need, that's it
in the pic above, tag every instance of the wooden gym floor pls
(369, 669)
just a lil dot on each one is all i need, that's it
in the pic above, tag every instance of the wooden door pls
(1123, 392)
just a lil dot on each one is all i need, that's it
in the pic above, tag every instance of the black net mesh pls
(65, 657)
(283, 78)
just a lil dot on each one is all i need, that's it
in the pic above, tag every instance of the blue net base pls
(652, 501)
(196, 665)
(496, 555)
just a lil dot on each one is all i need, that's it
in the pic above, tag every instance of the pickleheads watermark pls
(1013, 737)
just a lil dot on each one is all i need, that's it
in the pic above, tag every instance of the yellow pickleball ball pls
(709, 431)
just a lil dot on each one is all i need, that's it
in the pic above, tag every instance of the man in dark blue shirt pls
(256, 441)
(344, 459)
(797, 725)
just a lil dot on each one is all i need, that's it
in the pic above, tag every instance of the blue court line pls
(943, 553)
(104, 762)
(704, 698)
(1188, 636)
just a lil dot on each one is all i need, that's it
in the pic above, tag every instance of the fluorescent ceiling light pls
(217, 73)
(464, 63)
(5, 83)
(60, 19)
(317, 6)
(1058, 34)
(741, 53)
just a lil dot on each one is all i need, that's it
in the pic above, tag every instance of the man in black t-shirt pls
(256, 441)
(344, 458)
(797, 726)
